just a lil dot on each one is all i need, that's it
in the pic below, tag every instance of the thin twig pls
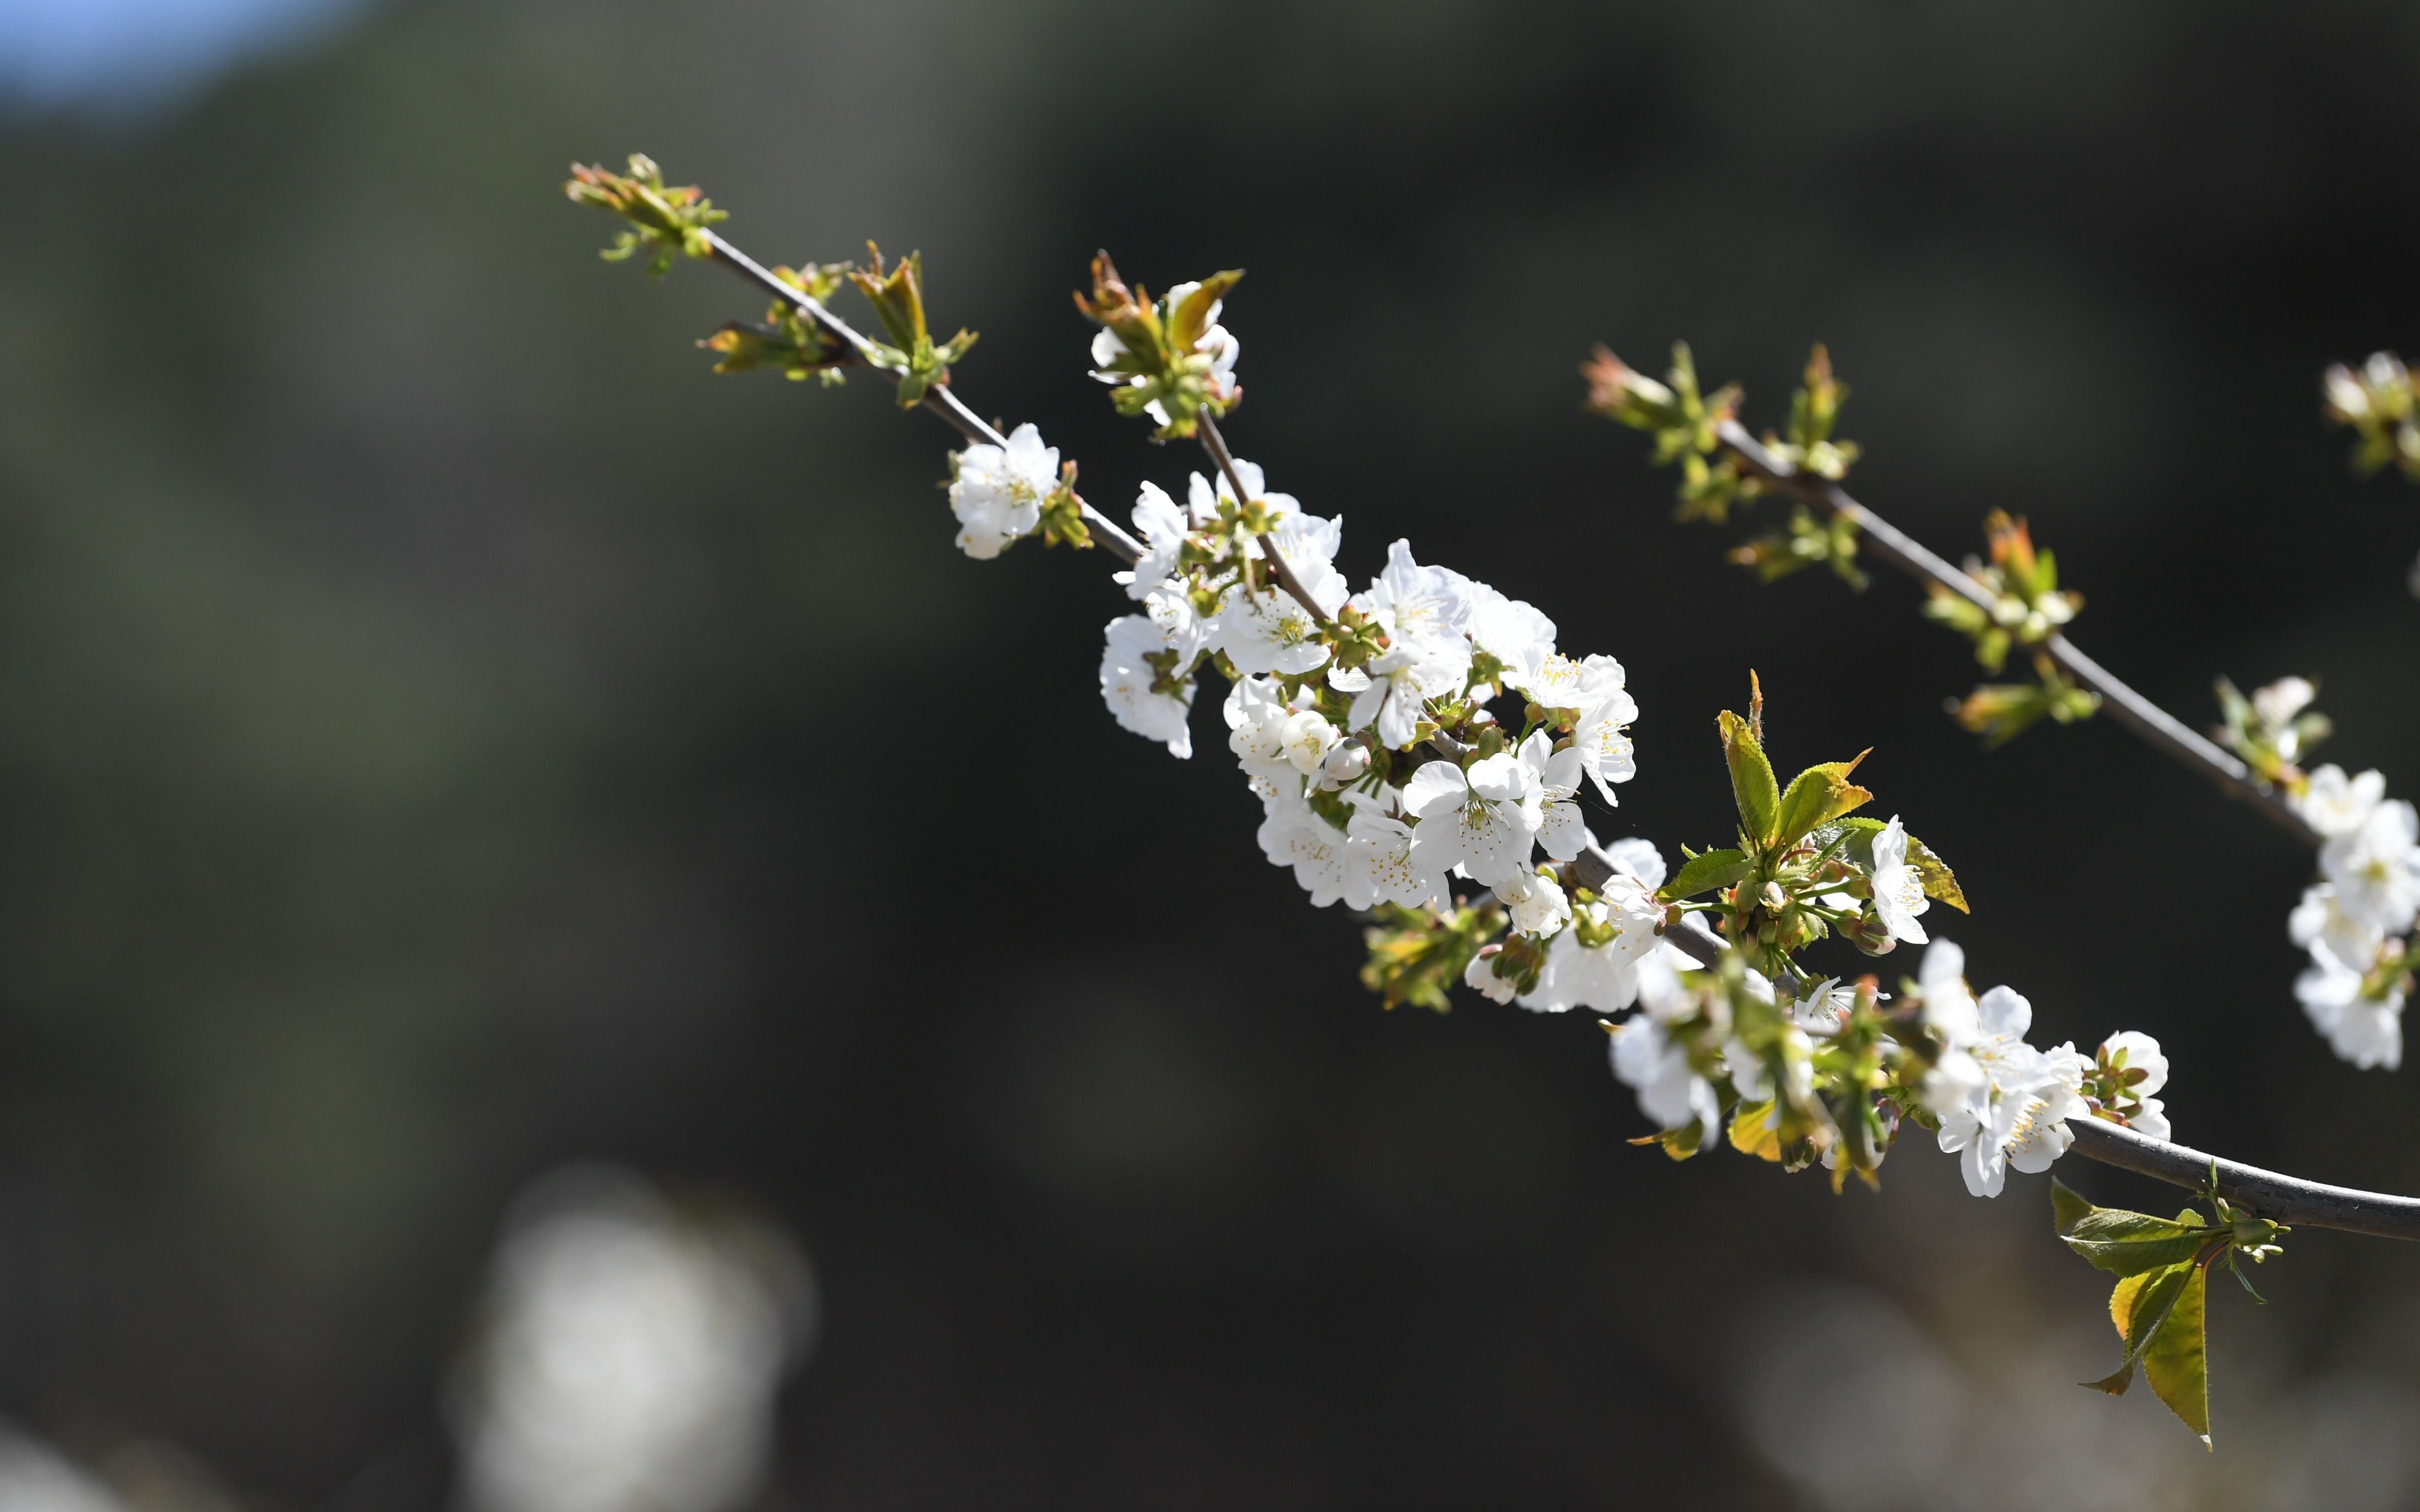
(2132, 709)
(1216, 445)
(944, 403)
(2285, 1199)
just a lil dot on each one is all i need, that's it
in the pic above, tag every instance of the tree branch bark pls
(939, 400)
(1885, 541)
(2285, 1199)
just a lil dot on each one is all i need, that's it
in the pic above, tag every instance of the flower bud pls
(1343, 767)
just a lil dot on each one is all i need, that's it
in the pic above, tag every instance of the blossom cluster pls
(1731, 1048)
(1420, 750)
(2356, 919)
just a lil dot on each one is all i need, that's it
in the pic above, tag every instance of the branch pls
(1215, 444)
(2285, 1199)
(944, 403)
(1911, 557)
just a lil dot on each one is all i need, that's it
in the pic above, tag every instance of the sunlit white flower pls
(1257, 714)
(1128, 685)
(2376, 868)
(1560, 829)
(997, 493)
(1482, 821)
(1295, 834)
(1162, 527)
(1424, 607)
(1593, 689)
(1267, 629)
(1606, 975)
(1202, 495)
(1985, 1095)
(2142, 1053)
(2277, 703)
(2367, 1031)
(1899, 889)
(1635, 857)
(1949, 1008)
(2334, 804)
(1381, 846)
(1824, 1006)
(1480, 976)
(1649, 1060)
(2318, 924)
(1538, 904)
(1388, 697)
(2040, 1135)
(1517, 634)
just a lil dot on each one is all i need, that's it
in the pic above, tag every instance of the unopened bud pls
(1344, 766)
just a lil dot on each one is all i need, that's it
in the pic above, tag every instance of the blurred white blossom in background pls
(34, 1477)
(631, 1355)
(1858, 1405)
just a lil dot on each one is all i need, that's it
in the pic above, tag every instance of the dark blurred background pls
(443, 739)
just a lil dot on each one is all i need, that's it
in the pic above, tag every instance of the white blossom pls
(997, 493)
(1593, 688)
(2334, 804)
(1482, 821)
(2142, 1053)
(2367, 1031)
(1202, 495)
(1949, 1007)
(2277, 703)
(1606, 975)
(2000, 1100)
(2376, 866)
(1267, 629)
(1480, 976)
(1557, 773)
(1898, 891)
(1381, 846)
(1126, 680)
(1257, 719)
(1388, 696)
(1538, 904)
(1428, 604)
(1294, 834)
(2320, 925)
(1307, 737)
(1649, 1060)
(1163, 528)
(1517, 634)
(2040, 1135)
(1635, 857)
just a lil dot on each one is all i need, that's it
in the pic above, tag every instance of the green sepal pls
(1699, 873)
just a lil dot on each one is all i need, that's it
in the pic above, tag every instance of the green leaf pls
(2177, 1363)
(1700, 873)
(2126, 1244)
(2138, 1307)
(1755, 1131)
(2129, 1244)
(1752, 785)
(1935, 872)
(1191, 316)
(1817, 797)
(2067, 1205)
(1680, 1143)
